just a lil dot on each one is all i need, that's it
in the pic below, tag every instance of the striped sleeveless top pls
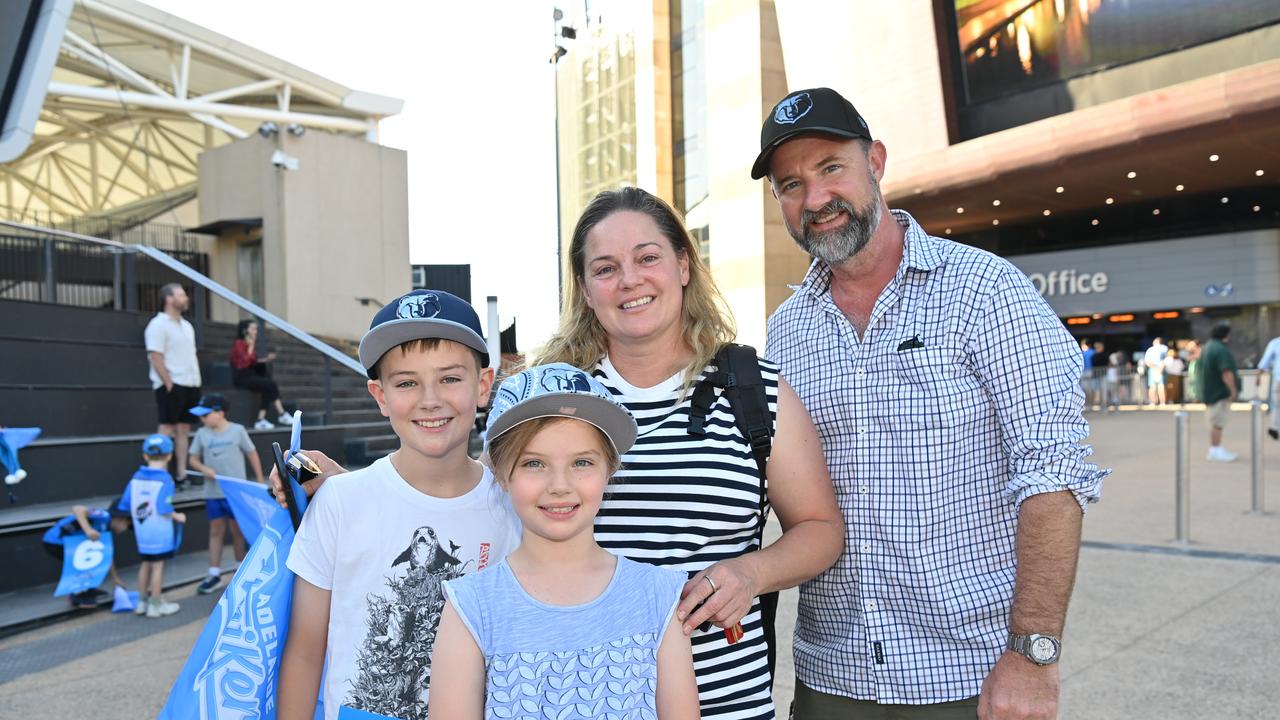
(686, 502)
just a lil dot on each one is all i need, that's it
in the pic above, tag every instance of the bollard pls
(1182, 478)
(1259, 479)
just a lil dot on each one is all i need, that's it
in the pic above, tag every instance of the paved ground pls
(1155, 631)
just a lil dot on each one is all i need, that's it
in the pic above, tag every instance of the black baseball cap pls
(816, 110)
(420, 315)
(210, 403)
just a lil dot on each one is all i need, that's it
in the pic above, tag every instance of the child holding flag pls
(561, 626)
(92, 522)
(376, 545)
(149, 500)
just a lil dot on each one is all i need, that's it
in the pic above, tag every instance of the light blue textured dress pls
(554, 662)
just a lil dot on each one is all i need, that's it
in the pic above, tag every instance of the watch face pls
(1043, 649)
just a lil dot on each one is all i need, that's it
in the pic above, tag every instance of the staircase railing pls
(330, 354)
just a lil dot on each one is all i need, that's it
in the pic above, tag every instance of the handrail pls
(64, 233)
(212, 286)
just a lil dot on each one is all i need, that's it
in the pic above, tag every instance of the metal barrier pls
(1257, 502)
(1182, 479)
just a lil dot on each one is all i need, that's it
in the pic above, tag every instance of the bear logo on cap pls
(418, 307)
(557, 380)
(793, 108)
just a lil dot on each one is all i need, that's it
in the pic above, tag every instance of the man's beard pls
(837, 246)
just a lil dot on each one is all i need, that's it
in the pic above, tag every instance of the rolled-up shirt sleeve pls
(1030, 365)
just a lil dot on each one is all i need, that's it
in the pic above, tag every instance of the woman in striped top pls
(643, 315)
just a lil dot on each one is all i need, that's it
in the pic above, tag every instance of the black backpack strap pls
(750, 402)
(744, 387)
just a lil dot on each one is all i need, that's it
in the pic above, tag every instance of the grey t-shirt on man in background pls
(224, 452)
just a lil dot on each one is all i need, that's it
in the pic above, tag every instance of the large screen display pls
(1009, 46)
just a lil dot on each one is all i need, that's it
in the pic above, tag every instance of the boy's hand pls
(328, 468)
(209, 473)
(180, 517)
(92, 534)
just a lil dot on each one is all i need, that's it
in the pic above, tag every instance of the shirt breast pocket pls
(936, 386)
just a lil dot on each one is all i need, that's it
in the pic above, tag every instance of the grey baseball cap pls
(559, 390)
(420, 315)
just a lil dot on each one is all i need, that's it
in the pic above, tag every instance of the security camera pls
(295, 129)
(267, 129)
(282, 161)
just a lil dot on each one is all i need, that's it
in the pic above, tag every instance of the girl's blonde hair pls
(706, 322)
(503, 451)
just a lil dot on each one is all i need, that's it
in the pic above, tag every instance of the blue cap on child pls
(420, 315)
(157, 445)
(559, 390)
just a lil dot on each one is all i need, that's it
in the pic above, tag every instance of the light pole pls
(558, 31)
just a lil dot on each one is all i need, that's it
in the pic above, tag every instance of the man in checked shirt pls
(947, 397)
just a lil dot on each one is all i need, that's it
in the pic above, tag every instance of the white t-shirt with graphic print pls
(384, 550)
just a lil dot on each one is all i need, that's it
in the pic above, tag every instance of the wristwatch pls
(1039, 649)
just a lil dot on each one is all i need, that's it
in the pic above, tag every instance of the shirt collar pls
(920, 251)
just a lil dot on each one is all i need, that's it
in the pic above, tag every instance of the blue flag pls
(85, 563)
(232, 670)
(251, 504)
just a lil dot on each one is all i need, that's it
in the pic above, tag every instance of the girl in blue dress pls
(561, 628)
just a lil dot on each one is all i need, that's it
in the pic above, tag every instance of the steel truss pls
(138, 94)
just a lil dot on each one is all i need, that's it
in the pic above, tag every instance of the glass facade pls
(605, 114)
(689, 102)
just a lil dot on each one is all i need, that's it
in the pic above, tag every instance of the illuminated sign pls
(1122, 318)
(1079, 321)
(1168, 315)
(1069, 282)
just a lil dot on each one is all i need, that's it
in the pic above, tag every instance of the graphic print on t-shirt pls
(393, 665)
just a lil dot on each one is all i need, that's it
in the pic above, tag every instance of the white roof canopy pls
(138, 94)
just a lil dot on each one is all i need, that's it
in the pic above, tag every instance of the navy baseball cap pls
(559, 390)
(816, 110)
(420, 315)
(157, 445)
(210, 403)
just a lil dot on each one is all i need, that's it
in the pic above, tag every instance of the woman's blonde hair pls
(706, 322)
(504, 450)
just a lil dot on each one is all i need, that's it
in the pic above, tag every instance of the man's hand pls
(1019, 689)
(92, 534)
(328, 468)
(180, 517)
(168, 386)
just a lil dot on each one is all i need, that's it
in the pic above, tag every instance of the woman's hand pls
(271, 357)
(725, 599)
(328, 468)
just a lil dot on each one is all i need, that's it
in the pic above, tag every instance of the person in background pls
(92, 522)
(148, 498)
(1191, 353)
(1219, 385)
(251, 373)
(1269, 361)
(1117, 365)
(1153, 360)
(175, 370)
(221, 447)
(1174, 371)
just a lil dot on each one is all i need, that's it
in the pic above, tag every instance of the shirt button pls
(866, 547)
(862, 488)
(861, 372)
(862, 431)
(870, 606)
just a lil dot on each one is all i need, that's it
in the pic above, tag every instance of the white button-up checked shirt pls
(960, 400)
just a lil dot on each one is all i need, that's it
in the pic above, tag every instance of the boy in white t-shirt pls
(377, 544)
